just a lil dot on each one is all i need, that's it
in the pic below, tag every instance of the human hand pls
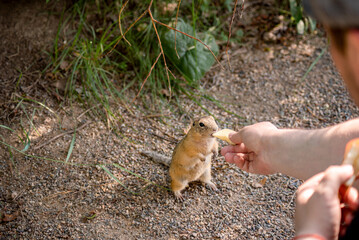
(251, 152)
(318, 208)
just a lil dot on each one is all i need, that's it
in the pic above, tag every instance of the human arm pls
(318, 209)
(263, 149)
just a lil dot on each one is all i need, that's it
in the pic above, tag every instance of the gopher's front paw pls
(178, 195)
(212, 186)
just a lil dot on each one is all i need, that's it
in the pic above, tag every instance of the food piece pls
(351, 156)
(224, 135)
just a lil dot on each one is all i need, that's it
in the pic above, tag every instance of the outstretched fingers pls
(239, 148)
(335, 176)
(351, 199)
(241, 160)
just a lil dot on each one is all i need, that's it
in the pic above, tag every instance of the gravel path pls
(49, 200)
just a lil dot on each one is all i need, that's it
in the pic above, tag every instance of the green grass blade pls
(27, 143)
(11, 154)
(135, 174)
(71, 148)
(12, 130)
(32, 125)
(18, 82)
(314, 63)
(12, 158)
(116, 179)
(48, 159)
(42, 105)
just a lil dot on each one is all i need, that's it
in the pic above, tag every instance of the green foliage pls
(89, 30)
(26, 129)
(236, 36)
(141, 55)
(295, 10)
(303, 23)
(93, 76)
(194, 58)
(82, 58)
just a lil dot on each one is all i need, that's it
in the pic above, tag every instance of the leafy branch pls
(154, 22)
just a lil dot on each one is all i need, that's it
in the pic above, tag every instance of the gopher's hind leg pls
(177, 186)
(206, 178)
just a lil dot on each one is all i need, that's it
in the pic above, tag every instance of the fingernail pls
(348, 167)
(231, 134)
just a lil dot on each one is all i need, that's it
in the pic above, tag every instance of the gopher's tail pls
(157, 157)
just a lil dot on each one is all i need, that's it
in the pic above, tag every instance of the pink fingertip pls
(236, 159)
(228, 158)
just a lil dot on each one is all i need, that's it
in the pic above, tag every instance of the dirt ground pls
(43, 199)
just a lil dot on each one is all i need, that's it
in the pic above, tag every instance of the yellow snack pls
(224, 135)
(351, 156)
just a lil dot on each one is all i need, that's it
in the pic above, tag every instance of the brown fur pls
(191, 159)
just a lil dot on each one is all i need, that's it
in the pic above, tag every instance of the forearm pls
(303, 153)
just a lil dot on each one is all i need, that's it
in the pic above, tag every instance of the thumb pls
(337, 175)
(235, 137)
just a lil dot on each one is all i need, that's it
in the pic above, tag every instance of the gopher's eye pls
(193, 124)
(201, 124)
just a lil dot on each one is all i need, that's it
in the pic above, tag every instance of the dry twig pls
(119, 22)
(62, 134)
(159, 42)
(230, 28)
(192, 38)
(82, 114)
(148, 10)
(156, 115)
(178, 6)
(148, 75)
(128, 29)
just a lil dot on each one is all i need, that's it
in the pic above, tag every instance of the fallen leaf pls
(89, 216)
(270, 55)
(64, 65)
(60, 84)
(165, 92)
(263, 181)
(260, 184)
(8, 217)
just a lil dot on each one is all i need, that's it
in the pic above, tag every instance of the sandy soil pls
(44, 199)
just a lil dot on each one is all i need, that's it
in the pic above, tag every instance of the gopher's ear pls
(185, 130)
